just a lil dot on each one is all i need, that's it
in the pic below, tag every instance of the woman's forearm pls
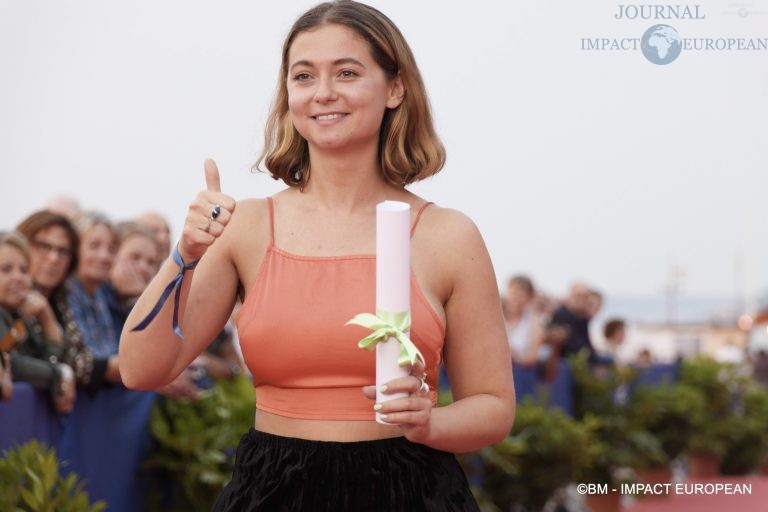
(147, 357)
(471, 423)
(154, 356)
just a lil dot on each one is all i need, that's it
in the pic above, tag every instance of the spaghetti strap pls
(271, 221)
(418, 216)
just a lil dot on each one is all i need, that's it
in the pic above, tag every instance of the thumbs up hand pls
(207, 217)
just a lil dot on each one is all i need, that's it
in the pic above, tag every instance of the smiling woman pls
(360, 57)
(28, 327)
(350, 128)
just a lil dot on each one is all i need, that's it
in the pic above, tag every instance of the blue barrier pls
(103, 440)
(558, 393)
(28, 415)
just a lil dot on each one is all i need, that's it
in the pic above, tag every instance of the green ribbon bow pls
(385, 324)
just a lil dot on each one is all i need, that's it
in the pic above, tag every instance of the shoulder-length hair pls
(45, 219)
(409, 148)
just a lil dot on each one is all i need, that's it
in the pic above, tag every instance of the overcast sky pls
(596, 165)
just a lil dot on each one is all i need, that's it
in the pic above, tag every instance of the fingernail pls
(383, 417)
(377, 407)
(383, 388)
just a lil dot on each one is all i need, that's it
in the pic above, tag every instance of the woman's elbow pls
(137, 378)
(506, 419)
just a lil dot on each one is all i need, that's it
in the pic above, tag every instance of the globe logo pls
(661, 44)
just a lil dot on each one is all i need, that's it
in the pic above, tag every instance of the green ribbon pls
(385, 324)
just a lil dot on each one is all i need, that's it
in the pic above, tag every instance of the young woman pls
(525, 331)
(350, 127)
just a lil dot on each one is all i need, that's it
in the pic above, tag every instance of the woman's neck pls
(346, 181)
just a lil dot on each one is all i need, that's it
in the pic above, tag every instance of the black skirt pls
(275, 473)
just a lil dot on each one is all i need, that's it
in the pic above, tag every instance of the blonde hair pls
(409, 148)
(17, 241)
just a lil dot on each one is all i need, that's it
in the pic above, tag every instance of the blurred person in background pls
(614, 331)
(524, 327)
(574, 315)
(136, 263)
(594, 303)
(644, 358)
(65, 206)
(162, 231)
(106, 437)
(54, 248)
(88, 294)
(6, 376)
(29, 329)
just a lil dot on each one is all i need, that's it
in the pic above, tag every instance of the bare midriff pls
(323, 430)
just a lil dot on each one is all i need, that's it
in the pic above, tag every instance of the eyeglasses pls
(45, 247)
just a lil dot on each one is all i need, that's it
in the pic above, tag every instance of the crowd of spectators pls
(68, 279)
(543, 330)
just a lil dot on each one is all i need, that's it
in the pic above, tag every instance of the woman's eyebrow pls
(337, 62)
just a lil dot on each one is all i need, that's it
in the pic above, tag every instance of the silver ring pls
(215, 211)
(424, 388)
(207, 228)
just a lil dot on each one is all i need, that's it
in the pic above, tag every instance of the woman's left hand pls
(412, 413)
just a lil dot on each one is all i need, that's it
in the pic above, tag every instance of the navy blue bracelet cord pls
(174, 284)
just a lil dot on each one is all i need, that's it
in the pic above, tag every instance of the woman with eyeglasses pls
(53, 257)
(29, 329)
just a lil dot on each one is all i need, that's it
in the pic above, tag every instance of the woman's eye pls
(300, 77)
(347, 73)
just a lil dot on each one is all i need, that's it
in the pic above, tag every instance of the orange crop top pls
(305, 362)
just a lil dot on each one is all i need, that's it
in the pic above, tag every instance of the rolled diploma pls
(393, 286)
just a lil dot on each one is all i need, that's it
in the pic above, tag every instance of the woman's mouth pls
(329, 118)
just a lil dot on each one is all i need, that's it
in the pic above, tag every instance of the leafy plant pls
(598, 388)
(670, 413)
(545, 452)
(613, 445)
(747, 439)
(719, 386)
(647, 452)
(196, 441)
(30, 482)
(712, 379)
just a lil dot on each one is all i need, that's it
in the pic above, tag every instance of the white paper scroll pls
(393, 286)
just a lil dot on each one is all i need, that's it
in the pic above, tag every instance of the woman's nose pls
(325, 91)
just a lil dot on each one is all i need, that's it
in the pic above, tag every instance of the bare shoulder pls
(448, 249)
(247, 237)
(450, 229)
(248, 214)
